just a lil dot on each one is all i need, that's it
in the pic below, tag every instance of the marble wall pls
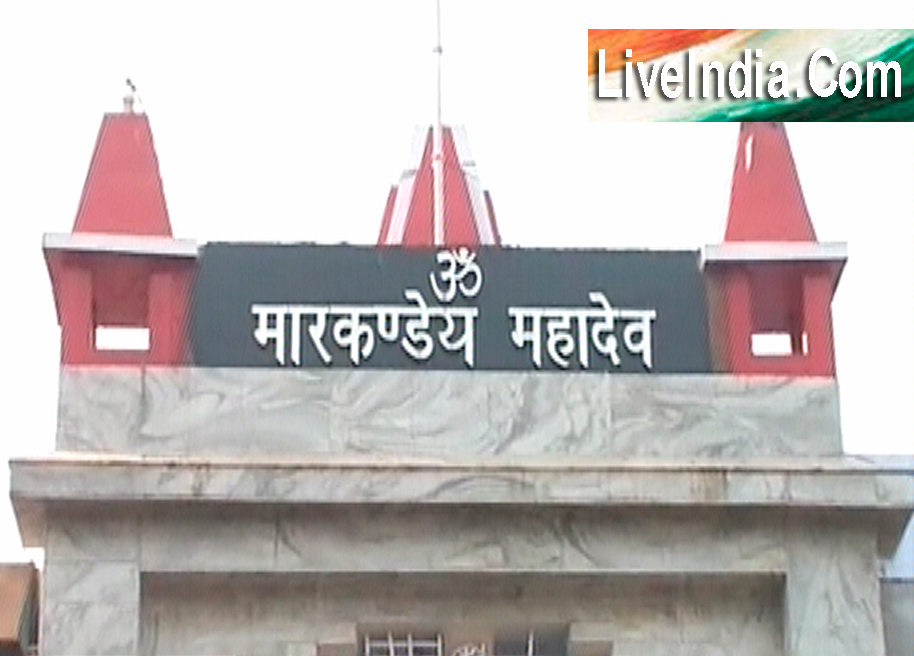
(252, 581)
(90, 592)
(262, 412)
(832, 605)
(280, 513)
(464, 539)
(898, 616)
(278, 615)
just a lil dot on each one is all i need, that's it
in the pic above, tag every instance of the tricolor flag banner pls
(750, 75)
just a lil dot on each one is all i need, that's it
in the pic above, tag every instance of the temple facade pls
(439, 447)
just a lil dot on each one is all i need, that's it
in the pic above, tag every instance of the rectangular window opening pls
(771, 345)
(546, 641)
(121, 338)
(403, 644)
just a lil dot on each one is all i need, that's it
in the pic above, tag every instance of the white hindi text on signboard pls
(357, 329)
(567, 332)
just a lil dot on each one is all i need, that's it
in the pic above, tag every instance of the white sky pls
(289, 121)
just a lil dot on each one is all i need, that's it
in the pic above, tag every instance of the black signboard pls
(302, 305)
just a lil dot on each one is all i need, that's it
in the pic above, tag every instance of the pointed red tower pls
(123, 191)
(121, 269)
(464, 216)
(770, 283)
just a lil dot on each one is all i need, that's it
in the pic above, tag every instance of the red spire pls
(771, 279)
(121, 268)
(468, 219)
(123, 191)
(766, 202)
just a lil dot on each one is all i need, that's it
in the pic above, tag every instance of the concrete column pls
(90, 588)
(832, 603)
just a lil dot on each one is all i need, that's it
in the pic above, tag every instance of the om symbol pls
(459, 271)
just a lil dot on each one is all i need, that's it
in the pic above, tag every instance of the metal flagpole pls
(438, 155)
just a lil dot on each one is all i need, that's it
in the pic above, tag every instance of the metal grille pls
(404, 645)
(432, 644)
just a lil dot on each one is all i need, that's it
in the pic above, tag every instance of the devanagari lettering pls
(602, 332)
(641, 326)
(521, 335)
(316, 332)
(467, 340)
(388, 323)
(271, 326)
(564, 333)
(461, 266)
(349, 332)
(417, 342)
(560, 344)
(564, 324)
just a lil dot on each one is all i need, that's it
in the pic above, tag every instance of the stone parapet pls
(247, 412)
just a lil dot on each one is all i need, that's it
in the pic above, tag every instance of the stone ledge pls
(847, 482)
(876, 491)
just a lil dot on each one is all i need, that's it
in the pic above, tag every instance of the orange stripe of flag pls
(645, 44)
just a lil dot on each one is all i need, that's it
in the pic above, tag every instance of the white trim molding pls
(774, 251)
(90, 242)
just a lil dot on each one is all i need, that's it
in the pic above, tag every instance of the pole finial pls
(130, 97)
